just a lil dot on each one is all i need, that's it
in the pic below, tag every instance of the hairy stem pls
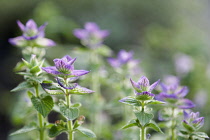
(69, 122)
(173, 130)
(40, 118)
(143, 133)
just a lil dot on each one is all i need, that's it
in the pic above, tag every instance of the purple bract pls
(193, 119)
(31, 35)
(174, 94)
(143, 88)
(91, 36)
(64, 68)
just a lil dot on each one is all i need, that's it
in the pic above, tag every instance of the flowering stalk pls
(32, 41)
(65, 76)
(143, 97)
(92, 37)
(173, 95)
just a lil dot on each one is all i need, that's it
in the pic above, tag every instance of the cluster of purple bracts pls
(91, 36)
(173, 94)
(32, 36)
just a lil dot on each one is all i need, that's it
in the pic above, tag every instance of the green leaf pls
(19, 67)
(188, 127)
(35, 69)
(52, 88)
(130, 101)
(69, 113)
(155, 102)
(184, 132)
(201, 135)
(86, 132)
(56, 130)
(24, 130)
(77, 105)
(76, 124)
(22, 86)
(43, 104)
(154, 126)
(80, 90)
(131, 123)
(143, 117)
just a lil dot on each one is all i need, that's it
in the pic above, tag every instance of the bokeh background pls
(170, 37)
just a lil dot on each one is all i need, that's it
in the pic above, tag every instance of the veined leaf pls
(69, 113)
(24, 130)
(22, 86)
(201, 135)
(131, 123)
(52, 88)
(80, 90)
(56, 130)
(86, 132)
(155, 102)
(130, 101)
(154, 126)
(43, 104)
(143, 117)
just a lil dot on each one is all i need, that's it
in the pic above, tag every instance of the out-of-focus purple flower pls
(123, 57)
(91, 36)
(64, 68)
(201, 98)
(143, 88)
(193, 119)
(174, 94)
(183, 63)
(32, 36)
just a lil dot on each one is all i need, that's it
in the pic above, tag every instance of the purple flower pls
(143, 88)
(193, 119)
(143, 85)
(174, 94)
(123, 57)
(64, 68)
(91, 36)
(32, 36)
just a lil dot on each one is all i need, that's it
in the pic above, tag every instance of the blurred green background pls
(159, 32)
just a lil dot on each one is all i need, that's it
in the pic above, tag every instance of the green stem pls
(173, 133)
(142, 106)
(69, 122)
(40, 118)
(143, 133)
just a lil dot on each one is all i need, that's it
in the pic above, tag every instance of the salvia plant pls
(140, 102)
(175, 117)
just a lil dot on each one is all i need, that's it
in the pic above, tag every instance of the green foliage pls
(52, 88)
(55, 130)
(144, 118)
(130, 101)
(22, 86)
(154, 126)
(86, 132)
(80, 90)
(201, 135)
(131, 123)
(43, 104)
(188, 127)
(69, 113)
(25, 129)
(154, 102)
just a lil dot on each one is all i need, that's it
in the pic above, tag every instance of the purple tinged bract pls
(123, 58)
(31, 33)
(91, 36)
(64, 68)
(193, 119)
(174, 94)
(143, 88)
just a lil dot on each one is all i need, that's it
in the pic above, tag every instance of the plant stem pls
(143, 133)
(40, 118)
(173, 134)
(142, 106)
(69, 122)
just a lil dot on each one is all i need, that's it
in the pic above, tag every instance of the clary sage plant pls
(176, 118)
